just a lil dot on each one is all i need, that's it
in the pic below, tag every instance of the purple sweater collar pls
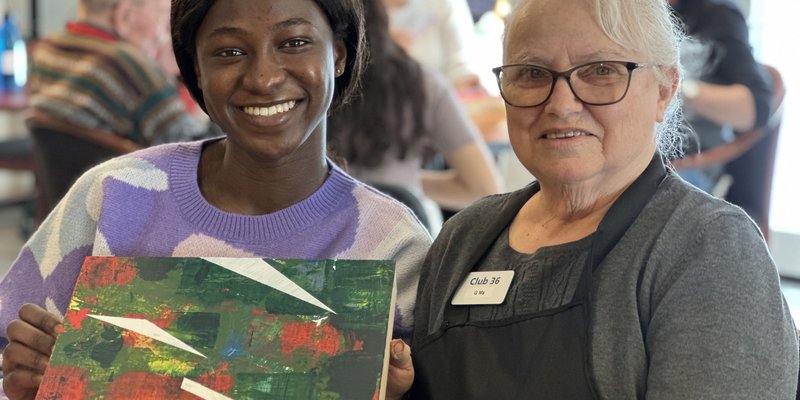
(247, 228)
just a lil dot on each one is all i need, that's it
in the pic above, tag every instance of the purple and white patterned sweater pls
(148, 203)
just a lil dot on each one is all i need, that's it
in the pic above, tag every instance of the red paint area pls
(68, 383)
(133, 339)
(75, 318)
(164, 319)
(139, 385)
(107, 272)
(268, 317)
(353, 342)
(220, 380)
(307, 335)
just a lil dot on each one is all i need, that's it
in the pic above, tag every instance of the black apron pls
(544, 355)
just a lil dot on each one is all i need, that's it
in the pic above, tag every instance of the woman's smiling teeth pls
(564, 135)
(271, 110)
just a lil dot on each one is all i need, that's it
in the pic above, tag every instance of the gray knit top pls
(687, 305)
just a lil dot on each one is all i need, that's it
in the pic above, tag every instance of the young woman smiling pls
(267, 74)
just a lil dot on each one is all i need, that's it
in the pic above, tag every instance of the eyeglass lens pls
(596, 83)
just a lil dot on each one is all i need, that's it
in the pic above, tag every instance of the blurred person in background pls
(438, 34)
(725, 90)
(404, 111)
(112, 70)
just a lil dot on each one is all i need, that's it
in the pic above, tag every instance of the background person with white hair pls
(109, 71)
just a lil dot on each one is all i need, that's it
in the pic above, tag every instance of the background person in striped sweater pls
(107, 72)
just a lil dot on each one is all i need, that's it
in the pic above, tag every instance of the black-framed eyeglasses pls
(597, 83)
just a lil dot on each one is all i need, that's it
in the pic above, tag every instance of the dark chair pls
(749, 160)
(64, 151)
(16, 155)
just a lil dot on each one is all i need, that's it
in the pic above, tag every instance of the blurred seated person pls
(403, 110)
(107, 72)
(437, 33)
(725, 90)
(165, 58)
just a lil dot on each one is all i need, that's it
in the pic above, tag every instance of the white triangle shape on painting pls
(260, 271)
(201, 391)
(146, 328)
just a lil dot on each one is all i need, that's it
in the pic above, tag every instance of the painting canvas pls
(224, 328)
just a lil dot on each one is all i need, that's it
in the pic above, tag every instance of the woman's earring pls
(339, 71)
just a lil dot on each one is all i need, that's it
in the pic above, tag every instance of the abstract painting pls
(224, 328)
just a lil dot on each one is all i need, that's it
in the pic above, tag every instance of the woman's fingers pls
(401, 355)
(40, 318)
(23, 370)
(18, 356)
(31, 340)
(21, 384)
(401, 370)
(27, 335)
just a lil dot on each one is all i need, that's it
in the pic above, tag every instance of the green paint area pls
(259, 343)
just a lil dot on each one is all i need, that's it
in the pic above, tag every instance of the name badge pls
(490, 287)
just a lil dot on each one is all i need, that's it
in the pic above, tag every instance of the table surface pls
(16, 101)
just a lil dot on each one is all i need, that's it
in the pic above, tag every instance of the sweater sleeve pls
(47, 267)
(409, 255)
(720, 327)
(391, 232)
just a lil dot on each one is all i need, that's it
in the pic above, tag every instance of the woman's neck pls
(247, 186)
(561, 214)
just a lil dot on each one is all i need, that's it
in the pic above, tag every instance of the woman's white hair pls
(648, 27)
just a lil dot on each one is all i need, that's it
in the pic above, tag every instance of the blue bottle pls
(14, 62)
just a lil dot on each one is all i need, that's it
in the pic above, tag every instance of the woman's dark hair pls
(390, 111)
(346, 18)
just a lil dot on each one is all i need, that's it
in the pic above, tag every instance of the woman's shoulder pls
(688, 221)
(381, 206)
(694, 206)
(159, 154)
(148, 166)
(374, 204)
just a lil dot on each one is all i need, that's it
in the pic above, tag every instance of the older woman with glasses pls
(609, 277)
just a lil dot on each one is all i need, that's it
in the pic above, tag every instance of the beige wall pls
(52, 14)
